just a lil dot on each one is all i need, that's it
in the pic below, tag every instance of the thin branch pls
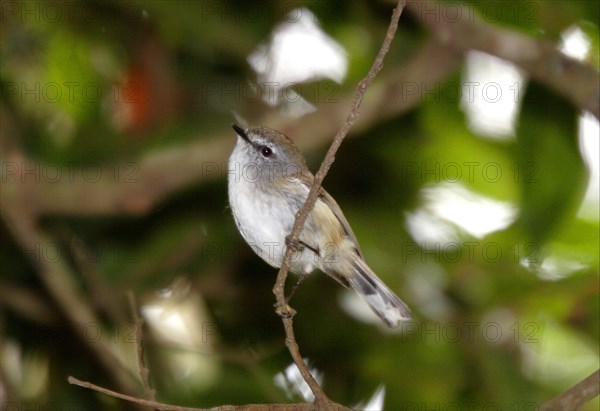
(574, 80)
(282, 308)
(144, 372)
(576, 396)
(169, 407)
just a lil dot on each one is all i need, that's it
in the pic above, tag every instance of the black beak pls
(242, 133)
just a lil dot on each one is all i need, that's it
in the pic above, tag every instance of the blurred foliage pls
(107, 81)
(547, 139)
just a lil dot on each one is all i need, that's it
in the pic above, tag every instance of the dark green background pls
(550, 328)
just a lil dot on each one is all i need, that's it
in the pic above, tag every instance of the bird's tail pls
(380, 298)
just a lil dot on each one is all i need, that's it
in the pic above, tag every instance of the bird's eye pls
(266, 151)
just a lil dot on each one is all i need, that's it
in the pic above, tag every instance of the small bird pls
(268, 183)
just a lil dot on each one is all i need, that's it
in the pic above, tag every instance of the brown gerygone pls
(268, 184)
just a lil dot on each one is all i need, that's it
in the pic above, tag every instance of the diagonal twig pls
(576, 396)
(282, 308)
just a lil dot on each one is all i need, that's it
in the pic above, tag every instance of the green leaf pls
(549, 168)
(454, 154)
(72, 81)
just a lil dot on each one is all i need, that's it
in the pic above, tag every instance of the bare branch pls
(285, 311)
(576, 396)
(169, 407)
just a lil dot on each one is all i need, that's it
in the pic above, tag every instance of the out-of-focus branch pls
(134, 187)
(54, 271)
(576, 396)
(131, 187)
(100, 297)
(60, 283)
(574, 80)
(143, 370)
(28, 303)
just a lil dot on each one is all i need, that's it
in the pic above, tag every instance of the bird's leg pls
(294, 245)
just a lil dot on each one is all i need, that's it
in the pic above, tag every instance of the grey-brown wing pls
(328, 199)
(337, 211)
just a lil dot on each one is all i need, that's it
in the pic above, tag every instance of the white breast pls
(262, 220)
